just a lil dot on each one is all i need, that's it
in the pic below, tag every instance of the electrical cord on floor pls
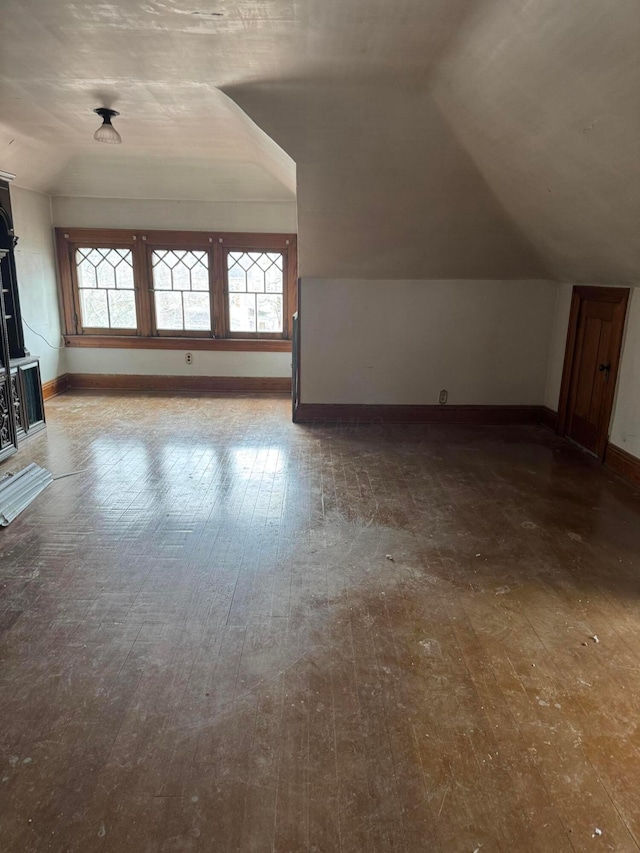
(41, 336)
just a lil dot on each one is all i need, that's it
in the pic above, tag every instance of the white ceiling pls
(432, 137)
(160, 64)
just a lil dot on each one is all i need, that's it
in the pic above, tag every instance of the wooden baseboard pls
(548, 418)
(623, 463)
(117, 382)
(327, 413)
(55, 386)
(616, 459)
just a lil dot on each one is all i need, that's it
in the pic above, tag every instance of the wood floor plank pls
(230, 633)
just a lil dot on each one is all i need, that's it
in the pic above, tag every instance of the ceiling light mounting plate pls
(106, 114)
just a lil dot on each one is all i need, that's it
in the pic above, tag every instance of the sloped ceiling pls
(545, 97)
(385, 190)
(433, 138)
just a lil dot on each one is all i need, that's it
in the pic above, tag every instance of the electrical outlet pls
(442, 399)
(189, 358)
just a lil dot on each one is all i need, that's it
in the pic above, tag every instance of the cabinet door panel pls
(8, 443)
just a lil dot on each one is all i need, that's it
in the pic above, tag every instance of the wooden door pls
(591, 365)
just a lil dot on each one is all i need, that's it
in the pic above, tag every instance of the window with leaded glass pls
(158, 289)
(106, 293)
(255, 292)
(181, 290)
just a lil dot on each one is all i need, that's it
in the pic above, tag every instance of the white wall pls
(275, 216)
(172, 362)
(36, 269)
(558, 346)
(485, 342)
(625, 421)
(625, 425)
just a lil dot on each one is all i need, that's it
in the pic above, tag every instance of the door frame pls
(620, 296)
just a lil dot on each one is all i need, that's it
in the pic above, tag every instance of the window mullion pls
(142, 282)
(218, 295)
(213, 307)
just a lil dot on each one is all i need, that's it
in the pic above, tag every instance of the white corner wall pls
(625, 425)
(257, 216)
(558, 346)
(401, 342)
(37, 280)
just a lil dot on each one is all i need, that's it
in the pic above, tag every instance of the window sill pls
(185, 344)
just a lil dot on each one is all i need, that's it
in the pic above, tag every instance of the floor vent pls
(19, 489)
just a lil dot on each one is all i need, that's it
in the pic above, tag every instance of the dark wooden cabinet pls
(21, 405)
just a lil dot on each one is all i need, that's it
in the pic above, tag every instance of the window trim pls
(142, 244)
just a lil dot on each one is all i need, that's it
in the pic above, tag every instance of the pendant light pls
(107, 132)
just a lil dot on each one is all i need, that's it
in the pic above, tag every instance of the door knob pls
(606, 367)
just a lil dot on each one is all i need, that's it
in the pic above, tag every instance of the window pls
(157, 288)
(105, 288)
(256, 288)
(181, 290)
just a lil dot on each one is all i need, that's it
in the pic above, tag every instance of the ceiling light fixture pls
(107, 132)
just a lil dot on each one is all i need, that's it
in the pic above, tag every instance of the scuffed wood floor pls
(203, 646)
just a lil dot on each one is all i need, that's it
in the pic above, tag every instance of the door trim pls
(620, 296)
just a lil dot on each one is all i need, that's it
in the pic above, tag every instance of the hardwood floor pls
(204, 647)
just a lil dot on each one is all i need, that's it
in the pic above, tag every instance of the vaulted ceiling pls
(433, 138)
